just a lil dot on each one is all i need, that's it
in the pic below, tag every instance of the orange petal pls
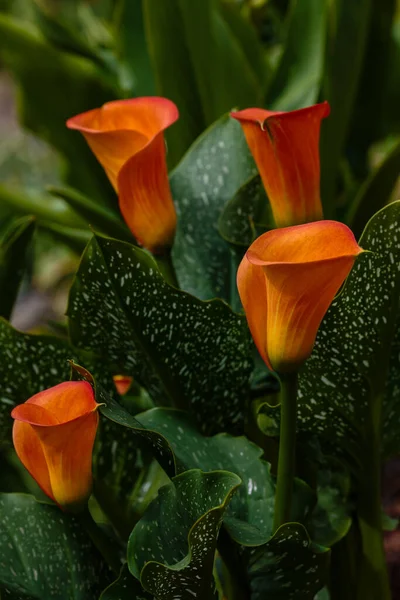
(122, 383)
(304, 267)
(253, 294)
(29, 450)
(64, 402)
(119, 129)
(67, 449)
(285, 147)
(145, 198)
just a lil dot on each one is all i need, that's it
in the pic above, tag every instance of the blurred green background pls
(62, 57)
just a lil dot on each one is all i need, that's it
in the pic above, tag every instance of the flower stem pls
(107, 548)
(373, 575)
(287, 445)
(167, 269)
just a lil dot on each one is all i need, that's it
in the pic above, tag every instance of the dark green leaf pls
(245, 33)
(172, 547)
(217, 58)
(348, 27)
(197, 58)
(299, 74)
(173, 72)
(93, 214)
(331, 518)
(45, 208)
(375, 191)
(46, 554)
(55, 85)
(126, 587)
(14, 247)
(369, 105)
(250, 513)
(211, 173)
(132, 47)
(122, 309)
(288, 566)
(249, 206)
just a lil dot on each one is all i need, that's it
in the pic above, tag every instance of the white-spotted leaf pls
(213, 170)
(184, 351)
(172, 547)
(46, 554)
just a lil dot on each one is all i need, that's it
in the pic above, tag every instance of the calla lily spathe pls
(123, 383)
(53, 435)
(287, 281)
(285, 147)
(127, 137)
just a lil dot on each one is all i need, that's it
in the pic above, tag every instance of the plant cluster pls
(213, 420)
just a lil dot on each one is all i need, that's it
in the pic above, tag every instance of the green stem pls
(103, 543)
(287, 445)
(164, 262)
(373, 576)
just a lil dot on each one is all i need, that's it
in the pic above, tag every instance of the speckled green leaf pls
(46, 554)
(172, 547)
(354, 368)
(183, 351)
(211, 173)
(13, 254)
(28, 364)
(117, 414)
(126, 587)
(249, 515)
(288, 567)
(299, 73)
(238, 221)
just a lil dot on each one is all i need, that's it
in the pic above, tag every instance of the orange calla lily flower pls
(122, 383)
(53, 436)
(285, 147)
(287, 281)
(127, 137)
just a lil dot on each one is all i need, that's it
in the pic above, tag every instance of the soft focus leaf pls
(197, 58)
(122, 309)
(41, 551)
(210, 174)
(373, 87)
(375, 191)
(346, 41)
(299, 74)
(55, 85)
(14, 247)
(95, 215)
(188, 511)
(54, 211)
